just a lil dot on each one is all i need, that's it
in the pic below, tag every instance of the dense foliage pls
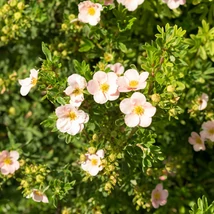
(175, 47)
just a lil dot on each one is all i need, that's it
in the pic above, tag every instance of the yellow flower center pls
(94, 162)
(37, 193)
(198, 140)
(211, 131)
(34, 81)
(104, 87)
(139, 110)
(7, 161)
(133, 83)
(77, 91)
(91, 11)
(157, 196)
(72, 115)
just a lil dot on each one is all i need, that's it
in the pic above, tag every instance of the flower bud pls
(71, 17)
(17, 15)
(64, 26)
(5, 8)
(39, 179)
(92, 150)
(5, 29)
(172, 112)
(64, 53)
(170, 88)
(107, 186)
(94, 137)
(108, 57)
(112, 157)
(12, 111)
(3, 38)
(13, 3)
(21, 5)
(155, 98)
(82, 158)
(15, 27)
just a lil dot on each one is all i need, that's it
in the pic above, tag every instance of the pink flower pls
(203, 101)
(131, 5)
(89, 12)
(70, 119)
(75, 89)
(132, 81)
(8, 162)
(197, 141)
(108, 2)
(92, 165)
(159, 196)
(208, 130)
(137, 110)
(103, 87)
(28, 83)
(173, 4)
(116, 68)
(38, 196)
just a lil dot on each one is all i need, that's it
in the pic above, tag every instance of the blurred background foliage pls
(180, 62)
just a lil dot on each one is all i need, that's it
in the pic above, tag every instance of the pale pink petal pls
(24, 90)
(93, 87)
(25, 82)
(100, 98)
(138, 98)
(74, 128)
(37, 198)
(123, 83)
(126, 106)
(100, 77)
(149, 110)
(34, 73)
(5, 170)
(14, 155)
(132, 120)
(159, 187)
(163, 202)
(132, 74)
(16, 165)
(155, 204)
(164, 194)
(145, 121)
(45, 199)
(100, 153)
(93, 171)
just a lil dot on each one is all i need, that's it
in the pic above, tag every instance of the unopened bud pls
(172, 112)
(12, 111)
(107, 186)
(17, 15)
(20, 5)
(82, 158)
(112, 157)
(64, 26)
(170, 88)
(156, 98)
(108, 57)
(92, 150)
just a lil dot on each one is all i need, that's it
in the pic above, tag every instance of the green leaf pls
(47, 52)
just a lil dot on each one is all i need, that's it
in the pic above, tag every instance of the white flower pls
(92, 165)
(28, 83)
(70, 119)
(117, 68)
(131, 5)
(89, 12)
(38, 196)
(75, 89)
(173, 4)
(203, 101)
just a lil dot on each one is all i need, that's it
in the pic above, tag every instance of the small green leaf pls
(47, 52)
